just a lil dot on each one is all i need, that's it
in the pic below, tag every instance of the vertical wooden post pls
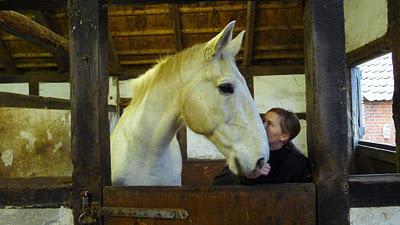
(394, 35)
(33, 88)
(327, 85)
(89, 88)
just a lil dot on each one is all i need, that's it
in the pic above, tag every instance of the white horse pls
(202, 88)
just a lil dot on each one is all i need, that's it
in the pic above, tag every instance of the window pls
(372, 100)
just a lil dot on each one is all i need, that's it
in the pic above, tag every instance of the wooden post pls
(394, 35)
(89, 88)
(327, 85)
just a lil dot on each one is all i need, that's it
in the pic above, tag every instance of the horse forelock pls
(166, 68)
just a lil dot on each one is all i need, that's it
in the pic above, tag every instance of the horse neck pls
(157, 116)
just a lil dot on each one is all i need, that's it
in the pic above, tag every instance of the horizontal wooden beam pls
(374, 190)
(27, 29)
(369, 51)
(32, 4)
(272, 70)
(37, 102)
(39, 76)
(38, 192)
(377, 153)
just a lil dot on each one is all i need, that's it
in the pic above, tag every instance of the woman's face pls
(276, 137)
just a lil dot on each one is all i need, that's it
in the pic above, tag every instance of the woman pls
(286, 163)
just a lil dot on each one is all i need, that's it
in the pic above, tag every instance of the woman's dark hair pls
(289, 122)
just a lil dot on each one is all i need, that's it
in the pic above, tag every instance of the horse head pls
(216, 103)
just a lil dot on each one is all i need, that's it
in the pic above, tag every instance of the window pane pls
(376, 96)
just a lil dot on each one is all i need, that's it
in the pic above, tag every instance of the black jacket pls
(288, 165)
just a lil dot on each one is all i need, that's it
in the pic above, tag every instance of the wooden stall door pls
(284, 204)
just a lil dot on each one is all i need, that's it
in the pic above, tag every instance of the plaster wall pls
(365, 21)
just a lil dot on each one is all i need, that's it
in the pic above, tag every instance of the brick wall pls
(376, 115)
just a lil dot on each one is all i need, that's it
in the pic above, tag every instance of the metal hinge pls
(93, 210)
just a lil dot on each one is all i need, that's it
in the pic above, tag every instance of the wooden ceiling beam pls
(6, 59)
(32, 4)
(250, 21)
(61, 59)
(27, 29)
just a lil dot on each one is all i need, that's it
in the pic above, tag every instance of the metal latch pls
(93, 210)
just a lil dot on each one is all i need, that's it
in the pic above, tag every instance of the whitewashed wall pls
(365, 21)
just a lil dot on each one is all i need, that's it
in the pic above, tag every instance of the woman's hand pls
(258, 172)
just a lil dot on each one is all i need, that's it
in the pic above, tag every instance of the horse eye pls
(226, 88)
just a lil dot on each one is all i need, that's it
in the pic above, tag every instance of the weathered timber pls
(135, 2)
(38, 76)
(374, 190)
(37, 102)
(6, 59)
(38, 192)
(32, 4)
(328, 127)
(200, 171)
(176, 20)
(375, 48)
(26, 101)
(27, 29)
(34, 88)
(89, 88)
(284, 204)
(249, 40)
(394, 32)
(376, 153)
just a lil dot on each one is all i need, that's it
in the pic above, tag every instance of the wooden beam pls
(60, 58)
(34, 88)
(38, 192)
(394, 32)
(38, 76)
(327, 85)
(384, 155)
(6, 59)
(113, 61)
(374, 190)
(32, 4)
(27, 29)
(371, 50)
(26, 101)
(176, 20)
(89, 87)
(248, 44)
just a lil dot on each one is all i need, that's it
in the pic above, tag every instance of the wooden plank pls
(89, 87)
(38, 76)
(373, 49)
(248, 44)
(32, 4)
(37, 102)
(113, 60)
(284, 204)
(27, 29)
(37, 192)
(394, 30)
(327, 86)
(6, 59)
(376, 153)
(201, 171)
(374, 190)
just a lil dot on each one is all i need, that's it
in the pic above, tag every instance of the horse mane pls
(165, 69)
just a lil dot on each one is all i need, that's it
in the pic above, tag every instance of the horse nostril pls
(260, 163)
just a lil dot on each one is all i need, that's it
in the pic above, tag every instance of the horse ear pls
(214, 46)
(234, 46)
